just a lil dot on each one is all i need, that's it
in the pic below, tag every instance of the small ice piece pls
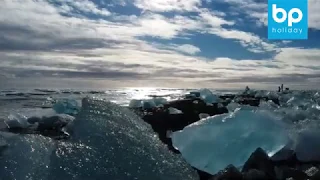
(17, 121)
(169, 134)
(203, 115)
(272, 95)
(212, 144)
(55, 122)
(174, 111)
(260, 94)
(134, 103)
(208, 97)
(160, 101)
(233, 106)
(195, 93)
(269, 105)
(148, 104)
(220, 105)
(50, 99)
(68, 106)
(190, 96)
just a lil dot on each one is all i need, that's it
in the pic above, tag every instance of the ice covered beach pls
(245, 135)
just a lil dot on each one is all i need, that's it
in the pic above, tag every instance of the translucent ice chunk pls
(213, 143)
(233, 106)
(208, 96)
(160, 101)
(203, 115)
(134, 103)
(17, 121)
(68, 106)
(148, 104)
(174, 111)
(195, 93)
(272, 95)
(115, 145)
(56, 121)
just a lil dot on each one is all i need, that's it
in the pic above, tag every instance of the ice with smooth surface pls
(67, 106)
(148, 104)
(203, 115)
(134, 103)
(160, 101)
(213, 143)
(208, 96)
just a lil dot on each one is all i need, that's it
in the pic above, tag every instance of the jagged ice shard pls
(215, 142)
(111, 142)
(106, 142)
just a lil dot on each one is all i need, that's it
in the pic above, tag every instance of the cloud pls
(314, 14)
(188, 48)
(50, 39)
(252, 42)
(214, 19)
(85, 6)
(168, 5)
(300, 56)
(258, 10)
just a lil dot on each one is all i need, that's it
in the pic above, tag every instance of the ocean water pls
(104, 135)
(34, 101)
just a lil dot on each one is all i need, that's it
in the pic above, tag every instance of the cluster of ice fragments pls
(205, 94)
(215, 142)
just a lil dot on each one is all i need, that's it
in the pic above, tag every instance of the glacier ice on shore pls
(147, 103)
(207, 96)
(213, 143)
(108, 142)
(17, 121)
(174, 111)
(67, 106)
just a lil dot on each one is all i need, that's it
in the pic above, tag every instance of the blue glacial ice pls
(205, 94)
(67, 106)
(215, 142)
(208, 96)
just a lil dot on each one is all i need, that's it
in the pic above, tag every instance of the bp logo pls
(288, 19)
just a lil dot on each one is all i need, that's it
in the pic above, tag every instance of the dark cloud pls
(108, 74)
(288, 78)
(14, 37)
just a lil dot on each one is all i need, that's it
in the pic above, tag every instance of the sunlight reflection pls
(150, 92)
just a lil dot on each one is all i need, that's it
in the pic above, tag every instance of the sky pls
(153, 43)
